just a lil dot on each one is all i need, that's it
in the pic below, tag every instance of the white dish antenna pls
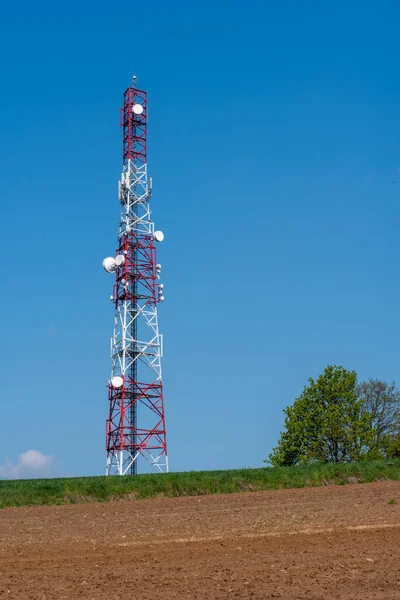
(117, 381)
(109, 264)
(158, 236)
(137, 109)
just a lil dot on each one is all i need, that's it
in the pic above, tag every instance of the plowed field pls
(332, 542)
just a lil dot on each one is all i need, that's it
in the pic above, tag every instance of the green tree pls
(380, 405)
(324, 423)
(393, 450)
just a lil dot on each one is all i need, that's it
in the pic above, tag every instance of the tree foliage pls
(335, 419)
(381, 407)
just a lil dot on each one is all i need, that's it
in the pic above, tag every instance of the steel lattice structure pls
(136, 420)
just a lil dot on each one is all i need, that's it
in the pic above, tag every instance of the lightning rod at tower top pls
(135, 428)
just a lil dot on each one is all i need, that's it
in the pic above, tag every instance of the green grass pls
(34, 492)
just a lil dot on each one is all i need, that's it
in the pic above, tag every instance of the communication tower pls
(136, 421)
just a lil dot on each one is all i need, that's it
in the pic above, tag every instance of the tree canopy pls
(380, 403)
(337, 419)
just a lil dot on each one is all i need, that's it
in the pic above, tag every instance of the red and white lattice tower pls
(136, 421)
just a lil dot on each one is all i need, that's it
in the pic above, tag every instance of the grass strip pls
(40, 492)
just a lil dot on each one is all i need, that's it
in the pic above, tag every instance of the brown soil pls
(331, 542)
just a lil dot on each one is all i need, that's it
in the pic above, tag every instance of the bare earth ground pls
(331, 542)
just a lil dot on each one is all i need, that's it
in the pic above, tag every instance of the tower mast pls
(136, 420)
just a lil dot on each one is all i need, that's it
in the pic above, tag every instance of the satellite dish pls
(137, 109)
(119, 260)
(117, 381)
(109, 264)
(158, 236)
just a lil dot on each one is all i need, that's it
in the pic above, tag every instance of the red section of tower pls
(135, 126)
(136, 421)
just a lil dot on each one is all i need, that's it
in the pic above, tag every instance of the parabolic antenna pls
(119, 260)
(137, 109)
(158, 236)
(109, 264)
(117, 381)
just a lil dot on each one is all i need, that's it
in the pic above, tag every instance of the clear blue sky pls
(273, 146)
